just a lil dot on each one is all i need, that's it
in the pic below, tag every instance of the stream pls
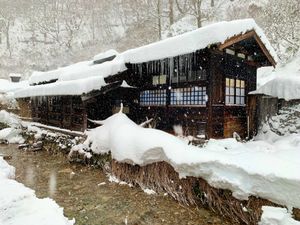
(86, 194)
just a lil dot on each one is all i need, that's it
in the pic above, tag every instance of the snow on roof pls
(104, 55)
(8, 86)
(15, 75)
(287, 88)
(38, 77)
(103, 70)
(72, 87)
(182, 44)
(283, 82)
(79, 71)
(196, 40)
(77, 79)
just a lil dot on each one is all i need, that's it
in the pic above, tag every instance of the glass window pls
(153, 97)
(235, 92)
(188, 96)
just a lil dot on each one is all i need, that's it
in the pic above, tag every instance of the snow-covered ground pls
(20, 206)
(11, 134)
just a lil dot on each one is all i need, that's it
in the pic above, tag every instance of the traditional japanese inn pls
(199, 81)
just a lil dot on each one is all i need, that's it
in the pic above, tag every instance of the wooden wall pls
(227, 119)
(66, 112)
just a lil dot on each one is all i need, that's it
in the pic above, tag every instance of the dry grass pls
(161, 177)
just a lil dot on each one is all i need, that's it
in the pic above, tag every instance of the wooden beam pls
(241, 37)
(236, 39)
(265, 50)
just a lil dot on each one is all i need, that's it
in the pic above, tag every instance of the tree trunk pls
(93, 25)
(171, 12)
(8, 47)
(159, 18)
(199, 14)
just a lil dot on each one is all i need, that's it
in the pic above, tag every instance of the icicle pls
(98, 122)
(121, 109)
(144, 124)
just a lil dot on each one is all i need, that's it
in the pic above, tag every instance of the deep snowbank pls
(20, 206)
(276, 216)
(258, 168)
(12, 134)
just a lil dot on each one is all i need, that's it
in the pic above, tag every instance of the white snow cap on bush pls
(255, 168)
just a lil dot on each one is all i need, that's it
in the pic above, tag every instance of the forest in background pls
(46, 34)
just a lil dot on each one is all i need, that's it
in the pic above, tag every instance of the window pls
(187, 68)
(235, 92)
(162, 79)
(230, 51)
(153, 97)
(188, 96)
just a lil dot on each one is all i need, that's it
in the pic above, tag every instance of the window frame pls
(192, 96)
(153, 97)
(235, 92)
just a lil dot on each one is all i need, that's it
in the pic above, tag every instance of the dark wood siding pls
(61, 111)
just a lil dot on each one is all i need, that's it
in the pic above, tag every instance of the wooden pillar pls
(215, 125)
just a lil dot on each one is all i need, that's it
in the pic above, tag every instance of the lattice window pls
(235, 92)
(188, 96)
(153, 97)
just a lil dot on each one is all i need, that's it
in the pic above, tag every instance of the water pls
(88, 196)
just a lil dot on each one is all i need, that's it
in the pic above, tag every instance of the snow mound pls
(9, 119)
(105, 55)
(258, 168)
(20, 206)
(6, 170)
(11, 136)
(276, 216)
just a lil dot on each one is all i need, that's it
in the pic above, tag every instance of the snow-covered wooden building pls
(199, 80)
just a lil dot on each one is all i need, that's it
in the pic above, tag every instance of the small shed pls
(282, 93)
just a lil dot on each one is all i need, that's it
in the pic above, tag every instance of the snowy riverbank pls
(20, 206)
(266, 167)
